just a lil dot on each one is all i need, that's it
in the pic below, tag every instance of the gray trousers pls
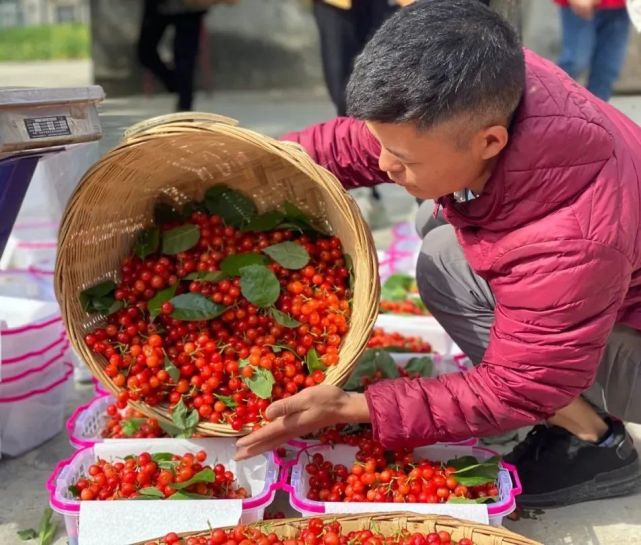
(463, 304)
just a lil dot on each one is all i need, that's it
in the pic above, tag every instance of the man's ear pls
(491, 141)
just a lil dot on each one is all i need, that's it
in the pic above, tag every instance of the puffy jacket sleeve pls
(555, 308)
(346, 148)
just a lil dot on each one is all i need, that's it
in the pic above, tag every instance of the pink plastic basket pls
(69, 470)
(508, 480)
(85, 425)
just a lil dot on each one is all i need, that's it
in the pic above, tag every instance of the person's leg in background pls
(151, 32)
(556, 465)
(186, 42)
(578, 41)
(612, 32)
(339, 46)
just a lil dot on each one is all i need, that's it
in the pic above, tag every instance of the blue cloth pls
(597, 45)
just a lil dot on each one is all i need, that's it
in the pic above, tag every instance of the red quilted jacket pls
(555, 233)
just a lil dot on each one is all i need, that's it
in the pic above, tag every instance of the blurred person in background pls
(595, 39)
(186, 16)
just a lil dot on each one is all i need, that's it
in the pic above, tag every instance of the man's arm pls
(346, 148)
(555, 311)
(554, 314)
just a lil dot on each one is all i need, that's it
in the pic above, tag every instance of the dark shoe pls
(557, 468)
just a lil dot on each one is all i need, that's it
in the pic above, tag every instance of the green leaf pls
(462, 461)
(233, 207)
(155, 304)
(460, 499)
(422, 366)
(192, 206)
(232, 264)
(261, 382)
(169, 429)
(107, 305)
(298, 219)
(191, 307)
(171, 369)
(349, 264)
(179, 415)
(264, 222)
(147, 242)
(131, 426)
(475, 480)
(180, 239)
(290, 255)
(215, 276)
(206, 475)
(313, 362)
(227, 400)
(282, 318)
(170, 466)
(259, 285)
(151, 492)
(47, 530)
(162, 457)
(26, 535)
(188, 496)
(100, 298)
(184, 419)
(370, 362)
(74, 491)
(478, 474)
(192, 420)
(166, 213)
(99, 290)
(397, 287)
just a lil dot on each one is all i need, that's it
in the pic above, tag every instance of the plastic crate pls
(262, 469)
(85, 425)
(508, 482)
(425, 327)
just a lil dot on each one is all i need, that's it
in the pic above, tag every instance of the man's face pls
(429, 163)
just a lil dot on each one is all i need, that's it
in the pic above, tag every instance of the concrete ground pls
(22, 493)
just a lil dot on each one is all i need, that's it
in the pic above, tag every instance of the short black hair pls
(438, 59)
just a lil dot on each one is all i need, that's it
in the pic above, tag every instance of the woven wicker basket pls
(176, 158)
(391, 523)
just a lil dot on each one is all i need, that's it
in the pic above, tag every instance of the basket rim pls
(402, 517)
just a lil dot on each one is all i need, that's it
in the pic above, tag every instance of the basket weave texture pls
(175, 159)
(392, 523)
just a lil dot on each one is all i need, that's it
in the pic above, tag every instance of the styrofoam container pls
(30, 417)
(344, 454)
(258, 474)
(29, 325)
(36, 362)
(425, 327)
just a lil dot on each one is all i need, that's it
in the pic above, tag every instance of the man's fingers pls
(263, 434)
(275, 434)
(286, 406)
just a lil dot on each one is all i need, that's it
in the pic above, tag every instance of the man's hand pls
(583, 8)
(310, 410)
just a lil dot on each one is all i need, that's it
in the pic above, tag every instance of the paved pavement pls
(22, 494)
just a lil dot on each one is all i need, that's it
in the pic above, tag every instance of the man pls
(537, 275)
